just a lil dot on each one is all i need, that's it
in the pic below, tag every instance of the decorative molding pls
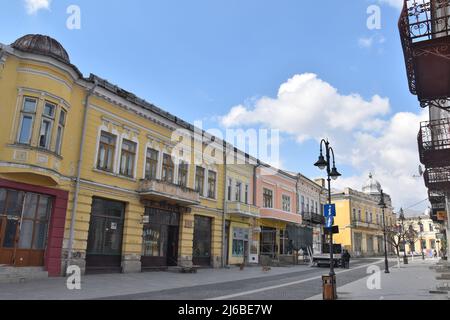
(45, 74)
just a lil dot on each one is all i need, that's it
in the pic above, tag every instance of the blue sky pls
(198, 59)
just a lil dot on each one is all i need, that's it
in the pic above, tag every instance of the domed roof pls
(44, 45)
(372, 186)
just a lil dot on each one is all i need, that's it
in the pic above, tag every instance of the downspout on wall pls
(224, 202)
(77, 179)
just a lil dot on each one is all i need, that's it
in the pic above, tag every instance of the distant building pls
(427, 232)
(360, 219)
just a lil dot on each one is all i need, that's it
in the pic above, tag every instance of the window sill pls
(207, 198)
(112, 174)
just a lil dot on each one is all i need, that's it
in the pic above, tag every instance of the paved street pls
(288, 283)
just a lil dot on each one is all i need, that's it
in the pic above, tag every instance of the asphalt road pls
(298, 285)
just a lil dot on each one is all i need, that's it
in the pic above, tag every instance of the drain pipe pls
(77, 179)
(224, 202)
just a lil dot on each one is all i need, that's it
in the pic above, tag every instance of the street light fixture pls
(383, 206)
(402, 219)
(332, 173)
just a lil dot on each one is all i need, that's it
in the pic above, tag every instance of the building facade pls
(93, 175)
(360, 219)
(427, 232)
(310, 205)
(276, 195)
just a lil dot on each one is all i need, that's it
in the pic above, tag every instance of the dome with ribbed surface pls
(372, 186)
(44, 45)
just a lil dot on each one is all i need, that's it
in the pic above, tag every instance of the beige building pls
(427, 235)
(360, 219)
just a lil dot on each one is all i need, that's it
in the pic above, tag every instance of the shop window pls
(285, 246)
(240, 242)
(212, 177)
(27, 117)
(127, 158)
(167, 169)
(151, 164)
(106, 152)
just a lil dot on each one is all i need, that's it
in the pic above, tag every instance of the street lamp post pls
(332, 173)
(383, 206)
(402, 219)
(421, 238)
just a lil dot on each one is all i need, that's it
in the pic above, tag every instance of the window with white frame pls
(230, 186)
(28, 114)
(106, 152)
(60, 131)
(151, 164)
(212, 178)
(267, 198)
(48, 117)
(286, 200)
(238, 191)
(127, 158)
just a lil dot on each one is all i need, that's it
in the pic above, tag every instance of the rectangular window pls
(167, 169)
(106, 152)
(127, 158)
(60, 131)
(431, 227)
(212, 176)
(151, 164)
(268, 198)
(238, 192)
(200, 180)
(183, 170)
(48, 116)
(303, 204)
(27, 120)
(246, 197)
(230, 186)
(354, 214)
(286, 203)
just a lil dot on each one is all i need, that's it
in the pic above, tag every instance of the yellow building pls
(99, 178)
(242, 230)
(360, 219)
(427, 237)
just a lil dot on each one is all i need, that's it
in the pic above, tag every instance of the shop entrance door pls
(269, 242)
(202, 241)
(24, 219)
(104, 250)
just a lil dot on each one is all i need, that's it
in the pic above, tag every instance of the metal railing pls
(434, 142)
(438, 179)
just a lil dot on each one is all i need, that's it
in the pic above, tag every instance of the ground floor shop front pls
(366, 243)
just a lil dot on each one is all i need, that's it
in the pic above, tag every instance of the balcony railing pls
(437, 200)
(438, 179)
(424, 27)
(168, 192)
(434, 142)
(313, 218)
(243, 209)
(365, 225)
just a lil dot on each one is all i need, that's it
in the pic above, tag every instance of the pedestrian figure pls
(346, 259)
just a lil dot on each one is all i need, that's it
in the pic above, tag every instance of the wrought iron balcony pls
(313, 218)
(162, 191)
(242, 209)
(424, 27)
(438, 179)
(437, 200)
(434, 143)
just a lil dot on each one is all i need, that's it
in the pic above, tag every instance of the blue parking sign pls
(329, 210)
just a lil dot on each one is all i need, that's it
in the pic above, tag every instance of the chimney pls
(320, 182)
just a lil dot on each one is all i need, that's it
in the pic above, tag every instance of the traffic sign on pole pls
(330, 221)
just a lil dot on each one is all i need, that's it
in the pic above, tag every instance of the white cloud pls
(33, 6)
(398, 4)
(309, 108)
(368, 42)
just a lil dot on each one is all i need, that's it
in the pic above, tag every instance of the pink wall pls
(279, 184)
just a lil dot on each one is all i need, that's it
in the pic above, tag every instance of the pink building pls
(276, 195)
